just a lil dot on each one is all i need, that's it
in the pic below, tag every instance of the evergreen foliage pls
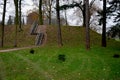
(114, 31)
(67, 6)
(114, 9)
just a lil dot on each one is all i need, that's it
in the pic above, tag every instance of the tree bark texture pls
(87, 24)
(16, 21)
(104, 25)
(83, 12)
(66, 22)
(40, 13)
(58, 24)
(50, 4)
(20, 13)
(3, 23)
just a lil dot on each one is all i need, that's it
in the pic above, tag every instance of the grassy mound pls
(71, 36)
(23, 38)
(43, 63)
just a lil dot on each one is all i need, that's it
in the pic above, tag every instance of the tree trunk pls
(40, 13)
(104, 25)
(66, 22)
(58, 24)
(87, 24)
(50, 12)
(20, 13)
(84, 9)
(83, 12)
(3, 23)
(16, 21)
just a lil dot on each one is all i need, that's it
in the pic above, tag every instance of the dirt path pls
(15, 49)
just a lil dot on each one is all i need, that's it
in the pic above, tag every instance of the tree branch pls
(92, 2)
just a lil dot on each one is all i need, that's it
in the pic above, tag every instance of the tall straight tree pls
(87, 24)
(66, 22)
(20, 13)
(83, 12)
(16, 21)
(40, 13)
(104, 25)
(50, 10)
(3, 23)
(58, 24)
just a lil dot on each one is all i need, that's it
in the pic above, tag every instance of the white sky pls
(72, 19)
(10, 9)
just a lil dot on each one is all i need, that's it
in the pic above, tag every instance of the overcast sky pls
(72, 18)
(10, 10)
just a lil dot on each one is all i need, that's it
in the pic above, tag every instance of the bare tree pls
(87, 24)
(40, 13)
(104, 25)
(80, 5)
(47, 9)
(66, 22)
(3, 23)
(65, 13)
(58, 24)
(20, 13)
(16, 21)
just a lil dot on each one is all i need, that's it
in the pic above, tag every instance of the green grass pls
(96, 64)
(80, 64)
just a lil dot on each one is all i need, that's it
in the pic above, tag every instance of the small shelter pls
(31, 17)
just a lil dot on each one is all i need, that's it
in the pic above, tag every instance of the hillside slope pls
(44, 63)
(72, 36)
(24, 37)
